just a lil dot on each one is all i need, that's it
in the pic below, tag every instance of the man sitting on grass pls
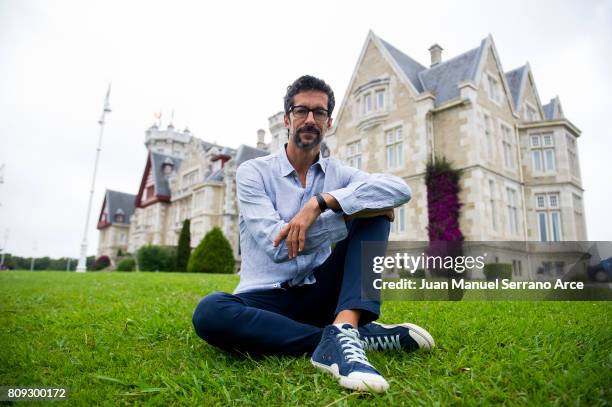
(296, 295)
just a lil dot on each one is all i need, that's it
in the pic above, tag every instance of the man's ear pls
(287, 123)
(329, 123)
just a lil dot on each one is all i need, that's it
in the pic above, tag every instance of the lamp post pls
(82, 264)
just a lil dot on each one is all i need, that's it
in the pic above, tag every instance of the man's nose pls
(310, 117)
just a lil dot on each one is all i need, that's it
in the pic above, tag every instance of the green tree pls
(127, 264)
(156, 258)
(40, 263)
(184, 247)
(213, 255)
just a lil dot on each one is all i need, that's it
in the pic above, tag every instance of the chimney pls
(260, 139)
(436, 54)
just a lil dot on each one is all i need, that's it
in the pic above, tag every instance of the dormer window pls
(167, 166)
(119, 216)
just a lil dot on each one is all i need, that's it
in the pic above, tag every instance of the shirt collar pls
(287, 168)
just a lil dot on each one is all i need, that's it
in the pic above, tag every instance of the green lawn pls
(126, 338)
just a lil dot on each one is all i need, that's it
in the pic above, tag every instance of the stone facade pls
(113, 224)
(397, 114)
(519, 158)
(184, 178)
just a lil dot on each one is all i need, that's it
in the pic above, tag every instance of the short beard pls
(307, 146)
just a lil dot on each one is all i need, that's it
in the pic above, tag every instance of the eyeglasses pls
(301, 113)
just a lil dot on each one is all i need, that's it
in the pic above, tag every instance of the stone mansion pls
(519, 157)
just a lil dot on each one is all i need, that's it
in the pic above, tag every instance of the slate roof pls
(162, 186)
(245, 153)
(515, 80)
(441, 79)
(408, 65)
(161, 181)
(228, 151)
(217, 175)
(551, 109)
(119, 201)
(206, 146)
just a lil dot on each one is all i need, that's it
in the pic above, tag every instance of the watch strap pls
(321, 201)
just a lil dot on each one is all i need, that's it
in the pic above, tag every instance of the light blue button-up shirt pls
(270, 195)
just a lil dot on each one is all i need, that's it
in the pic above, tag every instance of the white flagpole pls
(82, 265)
(1, 176)
(6, 235)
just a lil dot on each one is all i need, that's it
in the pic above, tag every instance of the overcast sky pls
(223, 68)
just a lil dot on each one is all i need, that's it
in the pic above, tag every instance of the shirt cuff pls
(345, 199)
(334, 223)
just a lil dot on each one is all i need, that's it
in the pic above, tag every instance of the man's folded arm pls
(370, 192)
(264, 222)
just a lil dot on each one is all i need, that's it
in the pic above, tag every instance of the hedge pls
(498, 271)
(156, 258)
(127, 264)
(418, 273)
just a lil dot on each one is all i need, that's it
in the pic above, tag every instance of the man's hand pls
(295, 230)
(389, 213)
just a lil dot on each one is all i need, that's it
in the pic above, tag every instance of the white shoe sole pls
(374, 383)
(420, 335)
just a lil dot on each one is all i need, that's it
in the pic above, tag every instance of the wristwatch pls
(321, 201)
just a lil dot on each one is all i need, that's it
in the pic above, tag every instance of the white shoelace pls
(352, 346)
(386, 342)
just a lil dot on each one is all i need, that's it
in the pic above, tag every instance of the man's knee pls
(378, 227)
(208, 318)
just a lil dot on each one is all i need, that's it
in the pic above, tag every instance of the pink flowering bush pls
(443, 204)
(445, 237)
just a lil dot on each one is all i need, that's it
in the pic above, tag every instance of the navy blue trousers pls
(289, 321)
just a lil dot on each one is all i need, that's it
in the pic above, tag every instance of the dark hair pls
(307, 82)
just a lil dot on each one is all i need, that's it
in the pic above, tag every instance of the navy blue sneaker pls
(340, 353)
(407, 337)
